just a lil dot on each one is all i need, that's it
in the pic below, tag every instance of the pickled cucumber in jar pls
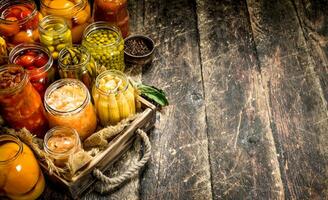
(55, 34)
(106, 45)
(114, 97)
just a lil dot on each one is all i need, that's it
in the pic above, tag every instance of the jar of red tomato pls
(19, 21)
(20, 103)
(37, 60)
(113, 11)
(76, 12)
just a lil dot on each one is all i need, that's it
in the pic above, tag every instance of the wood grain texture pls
(179, 168)
(313, 18)
(243, 155)
(298, 109)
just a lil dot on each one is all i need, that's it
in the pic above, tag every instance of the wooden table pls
(248, 87)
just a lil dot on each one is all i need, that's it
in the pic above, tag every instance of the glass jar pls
(20, 174)
(55, 34)
(60, 142)
(114, 97)
(19, 21)
(20, 103)
(76, 62)
(113, 11)
(38, 62)
(67, 103)
(76, 12)
(105, 44)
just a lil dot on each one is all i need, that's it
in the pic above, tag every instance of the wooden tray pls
(116, 148)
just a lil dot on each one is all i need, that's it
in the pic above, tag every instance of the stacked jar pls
(55, 34)
(113, 11)
(20, 103)
(76, 12)
(114, 97)
(106, 45)
(76, 62)
(20, 174)
(38, 62)
(19, 21)
(68, 103)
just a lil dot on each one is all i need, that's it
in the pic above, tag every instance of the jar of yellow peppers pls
(114, 97)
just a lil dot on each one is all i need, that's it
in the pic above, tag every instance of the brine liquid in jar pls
(55, 34)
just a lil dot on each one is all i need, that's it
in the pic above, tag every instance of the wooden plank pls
(313, 18)
(179, 168)
(298, 108)
(242, 152)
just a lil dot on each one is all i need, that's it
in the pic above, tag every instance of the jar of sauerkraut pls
(67, 103)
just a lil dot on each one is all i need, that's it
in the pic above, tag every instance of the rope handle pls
(106, 184)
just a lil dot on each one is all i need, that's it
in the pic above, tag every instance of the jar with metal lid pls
(55, 34)
(113, 11)
(106, 45)
(114, 97)
(20, 174)
(60, 142)
(76, 12)
(20, 103)
(67, 103)
(38, 62)
(19, 21)
(76, 62)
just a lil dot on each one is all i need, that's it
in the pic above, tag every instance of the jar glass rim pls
(53, 130)
(101, 25)
(45, 22)
(11, 138)
(22, 83)
(6, 3)
(60, 83)
(113, 72)
(64, 51)
(14, 53)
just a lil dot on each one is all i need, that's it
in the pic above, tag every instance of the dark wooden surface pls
(248, 87)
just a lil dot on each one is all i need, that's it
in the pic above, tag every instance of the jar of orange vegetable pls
(38, 62)
(114, 97)
(113, 11)
(67, 103)
(19, 21)
(77, 13)
(20, 174)
(20, 103)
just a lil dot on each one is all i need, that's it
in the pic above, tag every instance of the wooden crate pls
(103, 160)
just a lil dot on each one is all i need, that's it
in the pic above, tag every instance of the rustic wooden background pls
(248, 87)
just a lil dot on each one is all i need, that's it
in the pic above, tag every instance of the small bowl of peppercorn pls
(138, 49)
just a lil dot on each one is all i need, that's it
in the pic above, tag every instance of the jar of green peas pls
(106, 45)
